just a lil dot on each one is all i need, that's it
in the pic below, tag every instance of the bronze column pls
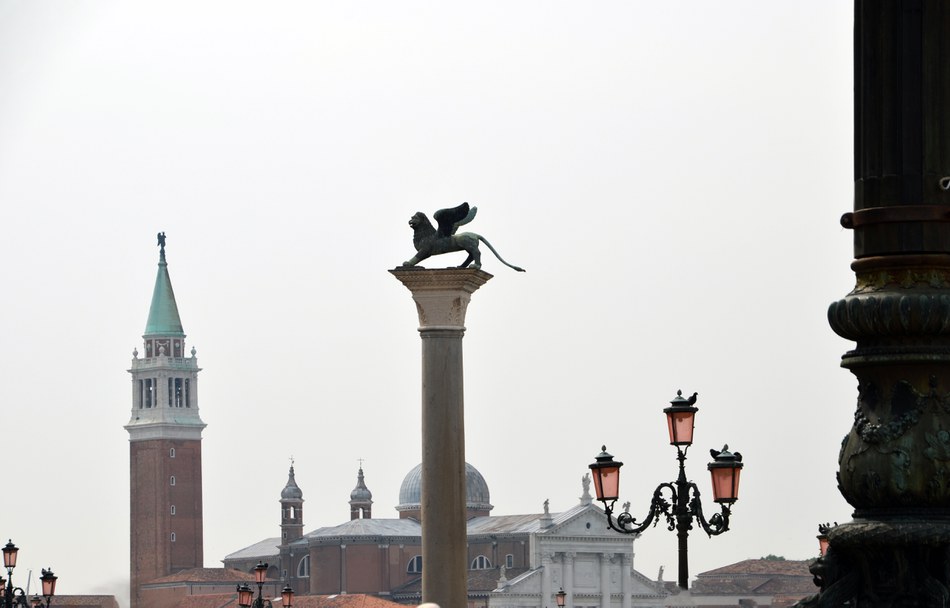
(894, 465)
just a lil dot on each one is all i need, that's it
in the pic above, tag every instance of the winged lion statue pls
(430, 241)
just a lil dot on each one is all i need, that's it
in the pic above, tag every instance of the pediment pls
(586, 521)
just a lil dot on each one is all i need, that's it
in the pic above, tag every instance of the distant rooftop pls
(204, 575)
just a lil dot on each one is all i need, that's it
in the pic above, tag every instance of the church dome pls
(476, 490)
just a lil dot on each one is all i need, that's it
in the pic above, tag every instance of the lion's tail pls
(500, 259)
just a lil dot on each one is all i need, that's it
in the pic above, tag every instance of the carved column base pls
(885, 563)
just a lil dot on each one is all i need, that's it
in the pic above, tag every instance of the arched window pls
(173, 537)
(509, 561)
(415, 565)
(481, 563)
(173, 510)
(171, 481)
(303, 568)
(171, 452)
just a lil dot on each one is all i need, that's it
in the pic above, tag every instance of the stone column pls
(605, 580)
(626, 568)
(546, 590)
(568, 575)
(442, 297)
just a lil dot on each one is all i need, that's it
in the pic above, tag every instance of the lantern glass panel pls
(49, 583)
(725, 482)
(680, 425)
(9, 555)
(245, 596)
(607, 483)
(560, 597)
(260, 573)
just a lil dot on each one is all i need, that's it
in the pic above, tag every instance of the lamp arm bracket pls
(718, 523)
(627, 524)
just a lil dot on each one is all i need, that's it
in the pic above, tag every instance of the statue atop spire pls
(161, 244)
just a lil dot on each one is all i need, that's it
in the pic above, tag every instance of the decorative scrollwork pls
(904, 397)
(688, 496)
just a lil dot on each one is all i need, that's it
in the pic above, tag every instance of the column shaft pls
(605, 580)
(443, 468)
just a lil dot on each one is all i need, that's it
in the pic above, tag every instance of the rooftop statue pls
(429, 241)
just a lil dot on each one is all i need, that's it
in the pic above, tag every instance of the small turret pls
(291, 510)
(361, 499)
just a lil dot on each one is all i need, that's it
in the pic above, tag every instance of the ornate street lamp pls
(15, 597)
(246, 594)
(560, 597)
(684, 504)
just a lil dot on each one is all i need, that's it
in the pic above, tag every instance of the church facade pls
(515, 561)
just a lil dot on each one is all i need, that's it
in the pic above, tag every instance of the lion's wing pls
(450, 219)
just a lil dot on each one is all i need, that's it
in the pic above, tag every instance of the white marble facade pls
(575, 550)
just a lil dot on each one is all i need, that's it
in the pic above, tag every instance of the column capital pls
(441, 295)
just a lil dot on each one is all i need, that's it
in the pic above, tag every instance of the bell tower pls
(164, 446)
(361, 499)
(291, 510)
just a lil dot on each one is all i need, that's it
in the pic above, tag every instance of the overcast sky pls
(670, 174)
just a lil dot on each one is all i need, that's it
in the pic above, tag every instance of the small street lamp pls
(246, 594)
(15, 597)
(684, 504)
(560, 597)
(823, 530)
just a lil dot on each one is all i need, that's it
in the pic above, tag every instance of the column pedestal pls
(442, 298)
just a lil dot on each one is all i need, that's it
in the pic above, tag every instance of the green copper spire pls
(163, 316)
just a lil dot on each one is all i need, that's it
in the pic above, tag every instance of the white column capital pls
(441, 295)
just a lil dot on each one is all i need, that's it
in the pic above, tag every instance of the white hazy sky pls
(671, 175)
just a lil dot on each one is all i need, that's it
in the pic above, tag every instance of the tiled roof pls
(83, 600)
(369, 527)
(210, 600)
(205, 575)
(268, 547)
(480, 582)
(789, 578)
(503, 524)
(348, 600)
(764, 566)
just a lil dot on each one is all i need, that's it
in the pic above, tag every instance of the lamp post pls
(246, 594)
(15, 597)
(683, 505)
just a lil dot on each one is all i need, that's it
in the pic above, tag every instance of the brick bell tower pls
(164, 446)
